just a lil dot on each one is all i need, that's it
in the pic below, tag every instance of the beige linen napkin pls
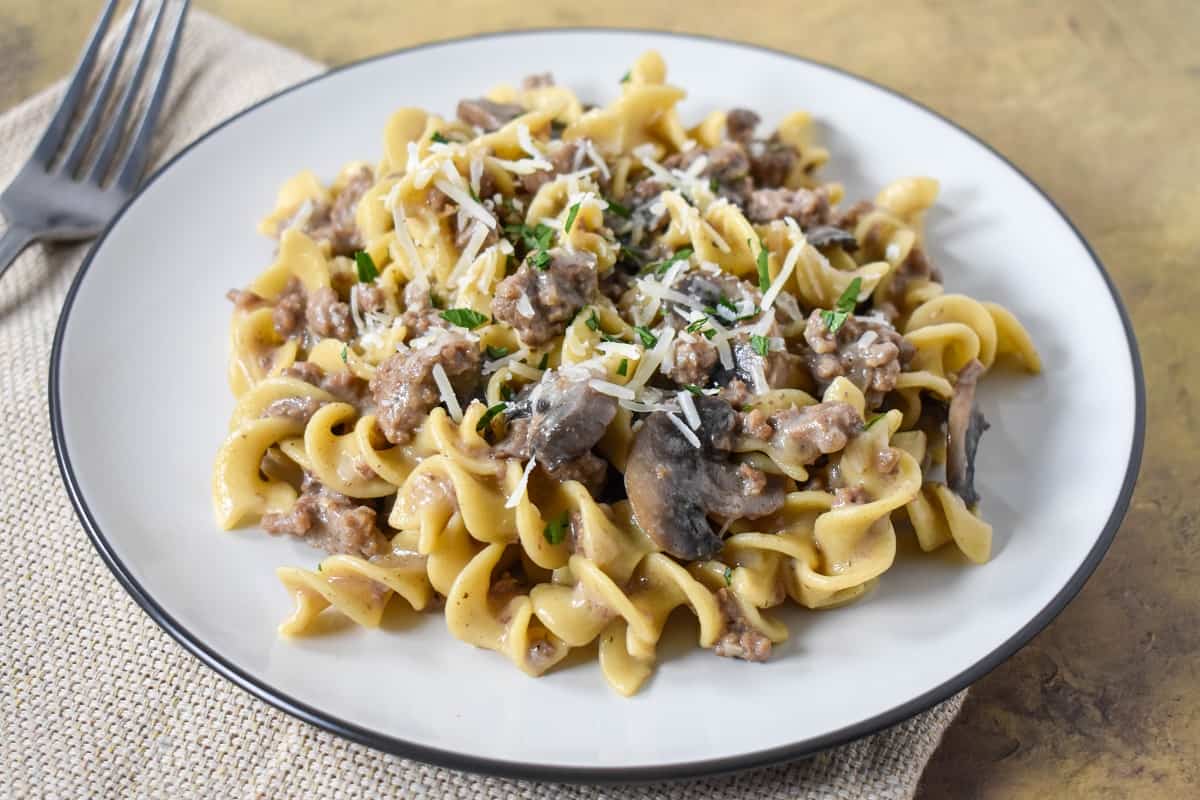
(96, 701)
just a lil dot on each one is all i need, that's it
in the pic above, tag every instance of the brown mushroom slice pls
(964, 425)
(831, 236)
(488, 114)
(674, 487)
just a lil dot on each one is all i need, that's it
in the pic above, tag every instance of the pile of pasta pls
(460, 516)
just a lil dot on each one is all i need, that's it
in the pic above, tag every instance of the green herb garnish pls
(540, 259)
(625, 78)
(725, 301)
(434, 300)
(697, 325)
(623, 367)
(729, 576)
(467, 318)
(648, 338)
(489, 415)
(764, 275)
(835, 319)
(556, 529)
(618, 209)
(662, 266)
(346, 354)
(506, 392)
(761, 344)
(437, 137)
(495, 352)
(694, 389)
(365, 265)
(571, 215)
(545, 361)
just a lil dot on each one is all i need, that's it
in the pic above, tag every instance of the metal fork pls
(56, 196)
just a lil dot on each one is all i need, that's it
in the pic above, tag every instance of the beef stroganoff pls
(558, 370)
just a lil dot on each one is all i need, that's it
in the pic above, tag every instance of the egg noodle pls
(559, 370)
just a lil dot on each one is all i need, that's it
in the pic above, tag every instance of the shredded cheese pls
(467, 203)
(526, 141)
(515, 498)
(491, 366)
(620, 349)
(478, 234)
(693, 440)
(400, 222)
(651, 360)
(476, 174)
(596, 158)
(688, 406)
(612, 389)
(789, 264)
(447, 392)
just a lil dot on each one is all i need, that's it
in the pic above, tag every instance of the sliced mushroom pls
(964, 425)
(488, 114)
(831, 236)
(674, 487)
(558, 423)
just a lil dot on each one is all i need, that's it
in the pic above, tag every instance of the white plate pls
(139, 406)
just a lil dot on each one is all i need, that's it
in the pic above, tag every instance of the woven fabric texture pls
(99, 702)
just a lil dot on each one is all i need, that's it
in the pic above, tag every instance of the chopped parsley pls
(729, 576)
(725, 301)
(506, 392)
(545, 361)
(467, 318)
(625, 78)
(437, 137)
(535, 238)
(661, 267)
(697, 325)
(761, 344)
(495, 352)
(618, 209)
(556, 529)
(365, 265)
(593, 323)
(694, 389)
(713, 185)
(489, 415)
(571, 215)
(623, 367)
(346, 354)
(835, 319)
(648, 338)
(764, 274)
(540, 259)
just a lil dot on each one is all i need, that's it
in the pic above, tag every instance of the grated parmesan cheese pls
(596, 158)
(515, 498)
(789, 264)
(476, 174)
(523, 370)
(526, 141)
(868, 338)
(491, 366)
(760, 377)
(400, 222)
(620, 349)
(612, 389)
(526, 166)
(693, 440)
(524, 306)
(467, 203)
(688, 406)
(478, 234)
(447, 392)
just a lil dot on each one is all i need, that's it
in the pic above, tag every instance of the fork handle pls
(14, 240)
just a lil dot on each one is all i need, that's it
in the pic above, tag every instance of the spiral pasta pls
(560, 370)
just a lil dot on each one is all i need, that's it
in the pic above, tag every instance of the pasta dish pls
(558, 370)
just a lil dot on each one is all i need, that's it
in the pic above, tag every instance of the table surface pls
(1099, 102)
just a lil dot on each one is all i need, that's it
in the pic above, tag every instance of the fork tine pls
(116, 125)
(96, 110)
(52, 138)
(135, 161)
